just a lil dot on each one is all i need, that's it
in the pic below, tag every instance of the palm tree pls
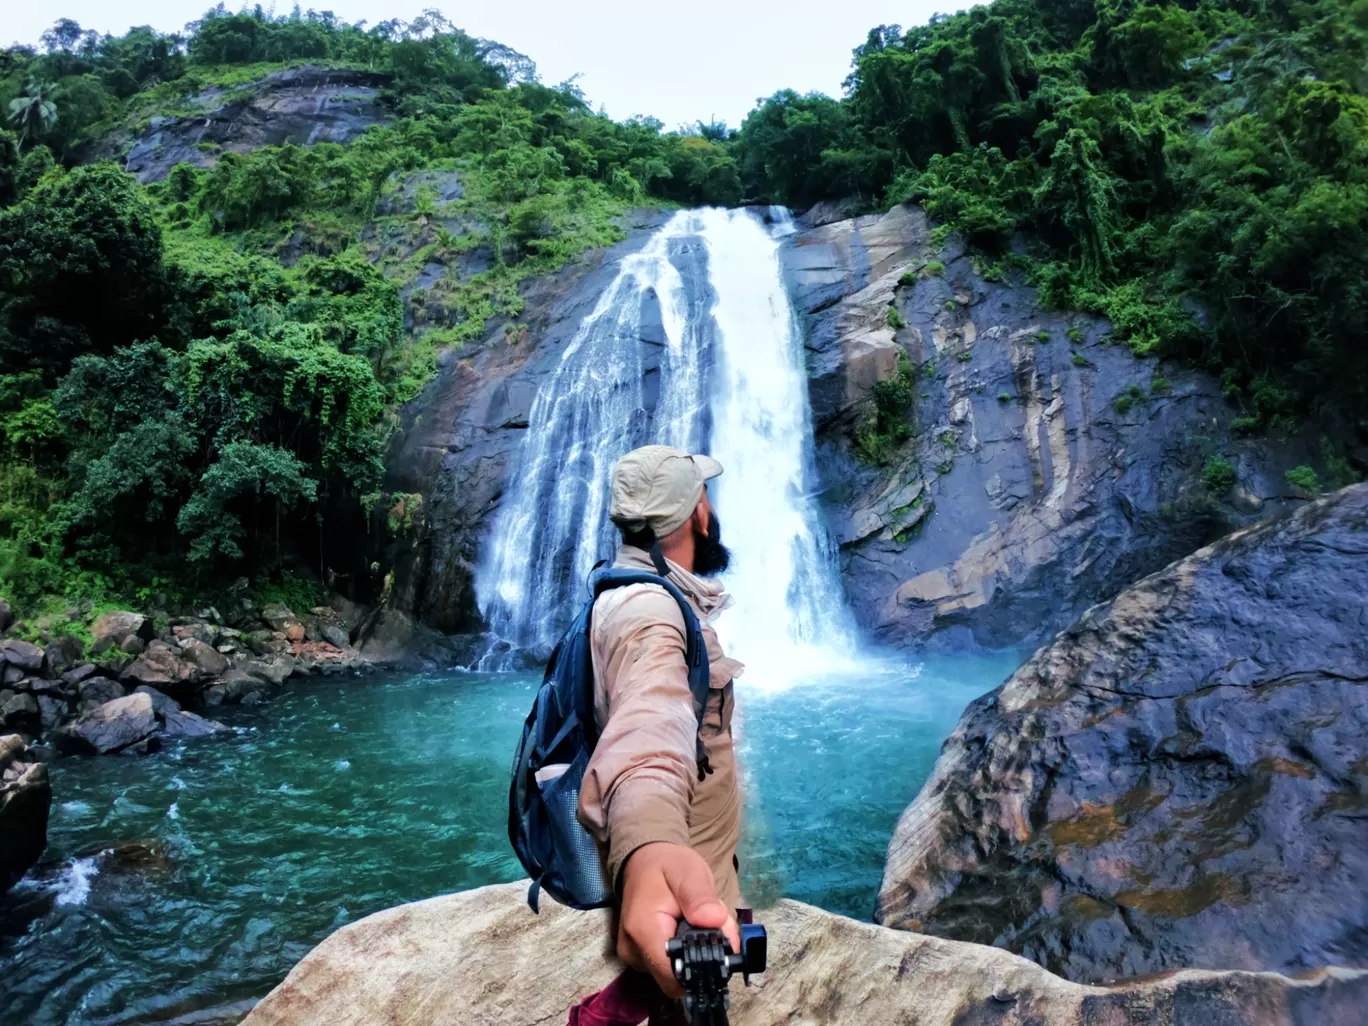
(34, 112)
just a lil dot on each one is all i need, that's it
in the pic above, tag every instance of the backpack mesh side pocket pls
(576, 853)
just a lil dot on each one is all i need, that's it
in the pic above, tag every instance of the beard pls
(711, 557)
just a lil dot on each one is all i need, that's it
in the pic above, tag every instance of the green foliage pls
(1078, 359)
(1158, 160)
(1126, 398)
(80, 269)
(890, 424)
(1339, 470)
(1004, 397)
(933, 269)
(1303, 478)
(894, 319)
(197, 377)
(1218, 475)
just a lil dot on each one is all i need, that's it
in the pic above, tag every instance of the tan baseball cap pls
(658, 487)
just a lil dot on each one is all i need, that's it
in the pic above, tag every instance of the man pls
(668, 838)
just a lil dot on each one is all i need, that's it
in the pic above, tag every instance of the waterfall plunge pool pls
(339, 799)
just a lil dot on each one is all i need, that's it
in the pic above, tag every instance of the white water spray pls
(731, 383)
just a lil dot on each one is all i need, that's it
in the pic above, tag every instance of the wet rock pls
(25, 799)
(99, 689)
(133, 645)
(110, 630)
(6, 616)
(280, 618)
(209, 661)
(64, 652)
(19, 711)
(1179, 779)
(12, 675)
(483, 957)
(52, 712)
(23, 654)
(114, 725)
(160, 666)
(271, 670)
(77, 674)
(179, 723)
(334, 635)
(147, 746)
(161, 703)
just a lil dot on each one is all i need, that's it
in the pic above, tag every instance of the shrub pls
(1078, 359)
(1303, 478)
(1219, 475)
(894, 319)
(1127, 398)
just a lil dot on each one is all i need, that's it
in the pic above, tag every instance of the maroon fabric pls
(631, 999)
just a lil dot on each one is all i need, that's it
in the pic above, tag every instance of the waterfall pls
(719, 369)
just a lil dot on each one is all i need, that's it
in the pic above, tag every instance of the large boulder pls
(24, 655)
(209, 661)
(25, 798)
(1180, 779)
(112, 629)
(162, 667)
(113, 726)
(482, 958)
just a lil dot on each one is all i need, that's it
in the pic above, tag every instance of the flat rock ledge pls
(481, 957)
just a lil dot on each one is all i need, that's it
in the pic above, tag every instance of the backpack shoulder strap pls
(695, 648)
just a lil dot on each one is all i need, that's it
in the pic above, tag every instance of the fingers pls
(663, 883)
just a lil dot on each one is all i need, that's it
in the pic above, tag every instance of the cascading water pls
(731, 383)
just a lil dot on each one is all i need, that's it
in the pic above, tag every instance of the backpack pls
(559, 736)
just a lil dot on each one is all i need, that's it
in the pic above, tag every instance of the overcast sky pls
(675, 61)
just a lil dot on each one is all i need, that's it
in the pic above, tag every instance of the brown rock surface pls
(1179, 779)
(482, 958)
(25, 797)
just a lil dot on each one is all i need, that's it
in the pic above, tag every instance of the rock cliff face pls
(1049, 469)
(456, 439)
(482, 958)
(1179, 779)
(301, 105)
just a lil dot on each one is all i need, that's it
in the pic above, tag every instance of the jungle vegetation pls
(1195, 170)
(198, 375)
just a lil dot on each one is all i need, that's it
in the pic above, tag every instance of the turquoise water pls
(337, 800)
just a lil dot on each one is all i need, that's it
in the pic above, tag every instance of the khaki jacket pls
(642, 783)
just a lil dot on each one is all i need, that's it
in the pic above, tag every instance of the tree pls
(34, 112)
(81, 256)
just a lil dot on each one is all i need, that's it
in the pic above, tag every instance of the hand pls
(661, 884)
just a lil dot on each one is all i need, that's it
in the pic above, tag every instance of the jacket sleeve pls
(641, 776)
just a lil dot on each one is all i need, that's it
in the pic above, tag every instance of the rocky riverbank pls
(141, 680)
(1179, 780)
(481, 957)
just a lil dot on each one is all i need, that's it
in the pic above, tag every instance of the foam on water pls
(73, 886)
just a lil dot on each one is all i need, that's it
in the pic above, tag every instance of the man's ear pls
(700, 518)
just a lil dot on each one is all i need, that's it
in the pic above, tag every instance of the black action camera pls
(704, 963)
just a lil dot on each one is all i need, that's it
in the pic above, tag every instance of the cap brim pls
(710, 467)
